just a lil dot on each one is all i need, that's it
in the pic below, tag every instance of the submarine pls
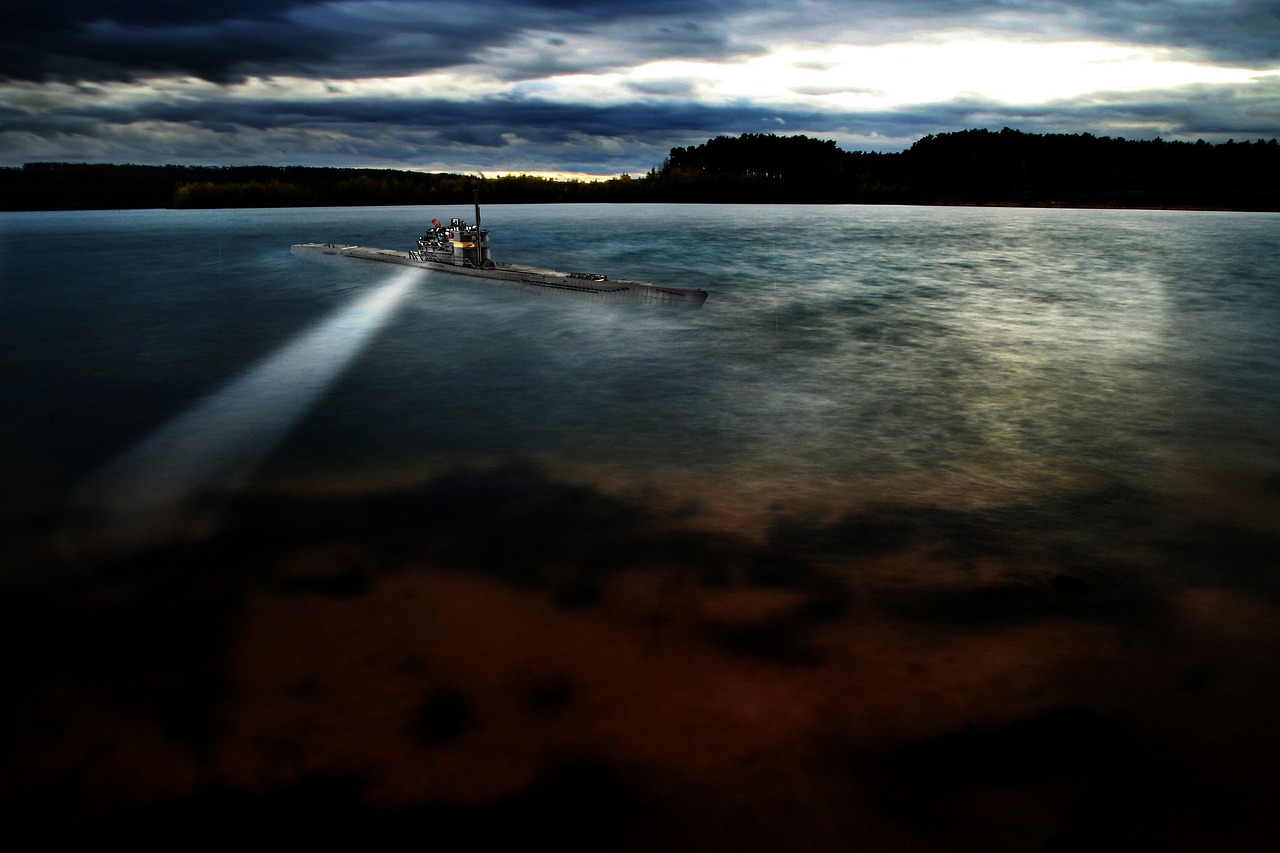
(460, 249)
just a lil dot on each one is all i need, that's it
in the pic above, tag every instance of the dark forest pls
(970, 167)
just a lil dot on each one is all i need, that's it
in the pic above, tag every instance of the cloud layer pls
(586, 86)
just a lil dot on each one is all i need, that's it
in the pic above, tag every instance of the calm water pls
(990, 352)
(992, 434)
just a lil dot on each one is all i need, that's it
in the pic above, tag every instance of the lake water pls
(929, 516)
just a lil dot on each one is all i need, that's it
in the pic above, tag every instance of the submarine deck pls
(512, 274)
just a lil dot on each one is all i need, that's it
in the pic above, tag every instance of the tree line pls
(81, 186)
(1007, 167)
(978, 167)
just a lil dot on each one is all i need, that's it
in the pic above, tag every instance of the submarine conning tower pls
(457, 243)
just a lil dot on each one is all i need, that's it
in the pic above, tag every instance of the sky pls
(601, 87)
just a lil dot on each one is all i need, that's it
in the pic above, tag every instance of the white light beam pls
(152, 491)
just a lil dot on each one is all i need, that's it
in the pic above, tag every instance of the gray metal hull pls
(517, 275)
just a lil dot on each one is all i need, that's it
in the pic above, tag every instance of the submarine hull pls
(520, 275)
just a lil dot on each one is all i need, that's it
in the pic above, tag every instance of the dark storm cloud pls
(77, 40)
(1230, 31)
(68, 15)
(496, 134)
(1211, 112)
(222, 44)
(484, 121)
(517, 43)
(533, 135)
(1224, 30)
(84, 39)
(520, 117)
(113, 40)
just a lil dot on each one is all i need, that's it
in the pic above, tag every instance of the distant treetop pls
(1006, 167)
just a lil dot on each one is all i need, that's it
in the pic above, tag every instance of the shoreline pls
(1036, 205)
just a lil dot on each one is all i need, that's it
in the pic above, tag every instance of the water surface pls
(917, 497)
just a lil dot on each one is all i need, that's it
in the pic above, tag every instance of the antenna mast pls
(479, 236)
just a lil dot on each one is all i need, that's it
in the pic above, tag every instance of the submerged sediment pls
(502, 650)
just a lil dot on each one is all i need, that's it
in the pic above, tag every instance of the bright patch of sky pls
(941, 68)
(860, 77)
(833, 77)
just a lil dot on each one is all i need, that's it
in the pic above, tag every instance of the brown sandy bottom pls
(501, 655)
